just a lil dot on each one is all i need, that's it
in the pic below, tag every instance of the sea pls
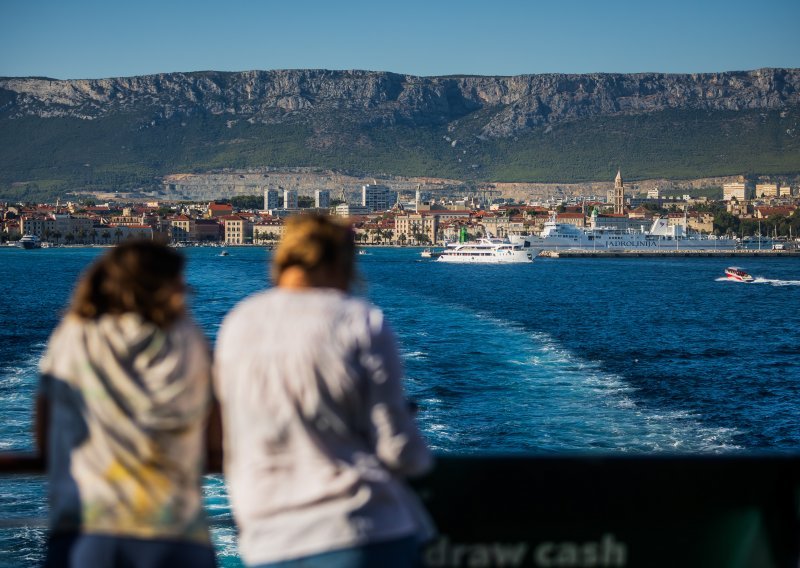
(578, 356)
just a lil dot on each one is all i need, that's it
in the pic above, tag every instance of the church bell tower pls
(619, 194)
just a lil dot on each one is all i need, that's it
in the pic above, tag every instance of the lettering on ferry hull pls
(634, 244)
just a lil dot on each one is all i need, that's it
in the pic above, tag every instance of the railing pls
(741, 511)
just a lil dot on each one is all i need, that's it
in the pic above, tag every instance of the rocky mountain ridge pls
(505, 106)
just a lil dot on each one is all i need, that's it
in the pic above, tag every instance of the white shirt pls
(318, 434)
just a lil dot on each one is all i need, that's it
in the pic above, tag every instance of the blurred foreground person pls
(121, 418)
(318, 434)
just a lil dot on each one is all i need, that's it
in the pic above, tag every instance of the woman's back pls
(317, 428)
(126, 446)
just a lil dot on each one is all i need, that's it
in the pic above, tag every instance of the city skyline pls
(87, 39)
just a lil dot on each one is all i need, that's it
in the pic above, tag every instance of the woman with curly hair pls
(124, 401)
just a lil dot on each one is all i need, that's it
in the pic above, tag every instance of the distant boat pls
(224, 253)
(429, 253)
(737, 274)
(29, 242)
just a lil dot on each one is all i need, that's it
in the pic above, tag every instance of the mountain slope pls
(127, 132)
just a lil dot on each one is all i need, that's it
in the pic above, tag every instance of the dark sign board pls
(592, 512)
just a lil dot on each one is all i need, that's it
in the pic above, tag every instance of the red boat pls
(736, 273)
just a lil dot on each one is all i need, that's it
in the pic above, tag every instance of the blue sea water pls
(622, 355)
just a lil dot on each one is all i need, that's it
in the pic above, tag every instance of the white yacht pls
(487, 251)
(29, 242)
(661, 236)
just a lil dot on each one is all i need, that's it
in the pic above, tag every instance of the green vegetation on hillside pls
(43, 158)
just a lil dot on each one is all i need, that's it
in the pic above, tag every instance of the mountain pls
(60, 135)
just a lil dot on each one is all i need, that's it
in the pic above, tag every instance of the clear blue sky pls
(71, 39)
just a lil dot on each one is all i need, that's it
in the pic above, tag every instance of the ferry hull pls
(509, 259)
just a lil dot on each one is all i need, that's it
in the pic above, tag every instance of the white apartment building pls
(322, 198)
(737, 189)
(768, 190)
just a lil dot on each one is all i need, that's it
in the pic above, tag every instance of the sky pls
(88, 39)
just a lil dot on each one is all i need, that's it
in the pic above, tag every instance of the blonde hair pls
(320, 246)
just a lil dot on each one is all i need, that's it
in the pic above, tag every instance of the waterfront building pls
(39, 226)
(207, 230)
(417, 227)
(181, 228)
(377, 197)
(577, 219)
(118, 233)
(56, 225)
(265, 232)
(271, 200)
(237, 230)
(502, 226)
(322, 198)
(127, 219)
(11, 228)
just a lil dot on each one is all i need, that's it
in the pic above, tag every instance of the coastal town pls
(387, 216)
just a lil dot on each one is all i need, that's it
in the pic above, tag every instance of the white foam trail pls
(774, 282)
(564, 401)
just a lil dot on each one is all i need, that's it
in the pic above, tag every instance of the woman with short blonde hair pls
(318, 434)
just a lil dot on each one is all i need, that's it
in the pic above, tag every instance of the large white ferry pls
(661, 236)
(487, 251)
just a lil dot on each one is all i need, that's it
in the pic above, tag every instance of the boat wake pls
(774, 282)
(485, 384)
(762, 280)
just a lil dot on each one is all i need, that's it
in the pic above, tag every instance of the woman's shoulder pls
(361, 314)
(259, 300)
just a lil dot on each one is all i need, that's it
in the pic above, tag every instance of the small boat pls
(29, 242)
(224, 253)
(737, 274)
(429, 253)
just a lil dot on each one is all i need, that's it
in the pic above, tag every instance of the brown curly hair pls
(138, 276)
